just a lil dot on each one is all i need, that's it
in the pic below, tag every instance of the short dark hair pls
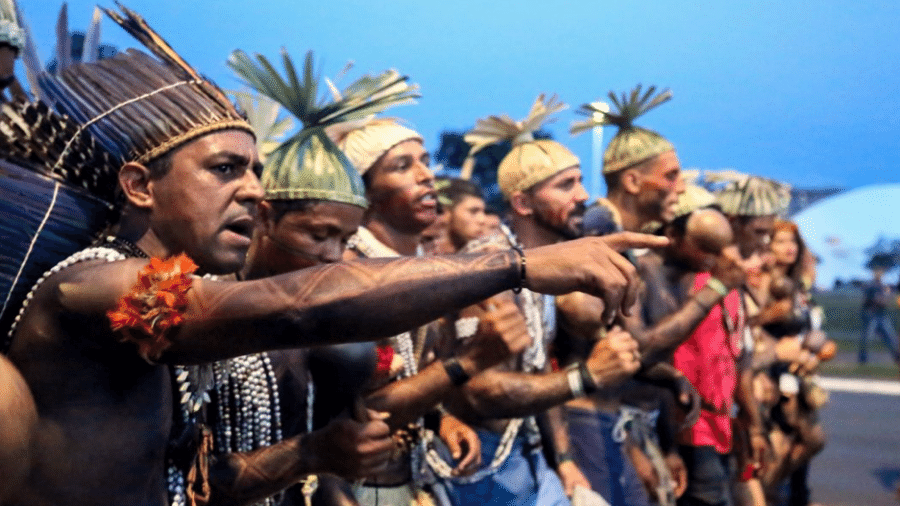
(160, 166)
(455, 190)
(282, 207)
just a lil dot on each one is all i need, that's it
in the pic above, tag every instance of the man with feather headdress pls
(101, 333)
(541, 182)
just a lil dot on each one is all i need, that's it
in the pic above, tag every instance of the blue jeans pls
(524, 479)
(880, 324)
(601, 459)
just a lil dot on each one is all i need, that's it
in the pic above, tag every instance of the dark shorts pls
(709, 477)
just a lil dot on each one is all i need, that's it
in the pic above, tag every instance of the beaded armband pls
(155, 304)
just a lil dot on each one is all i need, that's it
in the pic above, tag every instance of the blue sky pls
(801, 91)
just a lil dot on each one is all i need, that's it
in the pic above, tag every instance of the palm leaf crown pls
(309, 165)
(264, 115)
(530, 161)
(496, 129)
(631, 144)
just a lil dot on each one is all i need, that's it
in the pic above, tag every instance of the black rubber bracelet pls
(458, 375)
(522, 271)
(590, 386)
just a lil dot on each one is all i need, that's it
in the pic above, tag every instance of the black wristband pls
(590, 386)
(458, 375)
(522, 272)
(564, 457)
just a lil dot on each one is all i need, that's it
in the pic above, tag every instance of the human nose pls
(251, 188)
(581, 193)
(424, 174)
(333, 252)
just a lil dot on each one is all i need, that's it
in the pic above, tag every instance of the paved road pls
(860, 466)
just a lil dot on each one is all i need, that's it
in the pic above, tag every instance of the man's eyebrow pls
(231, 157)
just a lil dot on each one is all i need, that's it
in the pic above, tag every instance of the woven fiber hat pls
(364, 142)
(746, 195)
(694, 196)
(632, 144)
(310, 165)
(530, 161)
(139, 107)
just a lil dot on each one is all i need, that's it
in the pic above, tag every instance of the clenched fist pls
(502, 332)
(351, 449)
(614, 358)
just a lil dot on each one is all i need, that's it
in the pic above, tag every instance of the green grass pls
(854, 370)
(843, 325)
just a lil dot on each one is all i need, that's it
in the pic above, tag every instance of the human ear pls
(631, 181)
(134, 179)
(266, 218)
(521, 204)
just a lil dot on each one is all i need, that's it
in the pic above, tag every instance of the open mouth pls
(242, 227)
(429, 199)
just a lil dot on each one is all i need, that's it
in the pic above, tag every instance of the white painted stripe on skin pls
(861, 386)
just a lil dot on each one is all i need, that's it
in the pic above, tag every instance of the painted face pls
(401, 188)
(784, 247)
(205, 205)
(754, 234)
(660, 186)
(313, 236)
(466, 220)
(559, 203)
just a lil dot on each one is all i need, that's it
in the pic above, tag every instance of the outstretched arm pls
(353, 301)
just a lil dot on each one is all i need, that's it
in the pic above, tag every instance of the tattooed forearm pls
(244, 478)
(352, 301)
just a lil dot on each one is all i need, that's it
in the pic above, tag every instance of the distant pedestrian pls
(875, 318)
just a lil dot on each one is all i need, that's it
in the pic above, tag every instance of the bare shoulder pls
(91, 287)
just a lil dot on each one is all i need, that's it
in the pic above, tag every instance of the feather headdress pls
(33, 136)
(139, 107)
(309, 164)
(746, 195)
(530, 161)
(631, 144)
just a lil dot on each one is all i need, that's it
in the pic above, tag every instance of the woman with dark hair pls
(790, 317)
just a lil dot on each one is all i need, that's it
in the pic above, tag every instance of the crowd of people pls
(321, 320)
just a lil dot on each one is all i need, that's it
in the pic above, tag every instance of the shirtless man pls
(310, 214)
(541, 181)
(105, 398)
